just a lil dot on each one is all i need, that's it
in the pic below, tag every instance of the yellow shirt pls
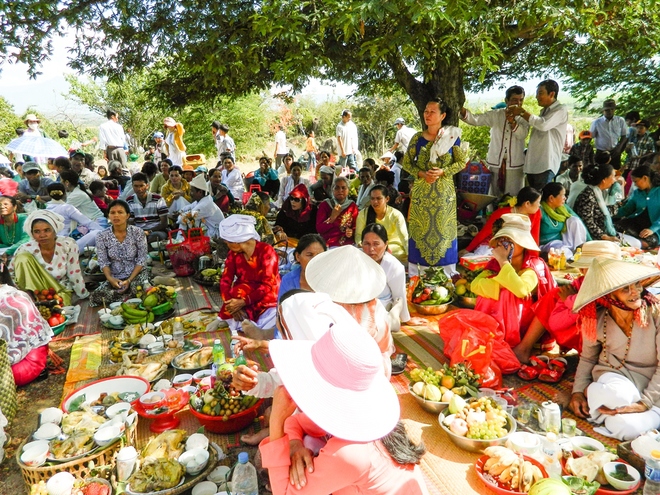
(397, 231)
(519, 284)
(167, 191)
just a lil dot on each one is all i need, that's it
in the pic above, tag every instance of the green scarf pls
(560, 214)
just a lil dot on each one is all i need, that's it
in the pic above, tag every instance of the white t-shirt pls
(174, 153)
(349, 136)
(403, 137)
(280, 143)
(234, 182)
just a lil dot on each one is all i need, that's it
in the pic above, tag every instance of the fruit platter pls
(476, 424)
(209, 277)
(434, 389)
(432, 292)
(466, 298)
(221, 408)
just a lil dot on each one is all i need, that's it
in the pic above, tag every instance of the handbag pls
(8, 399)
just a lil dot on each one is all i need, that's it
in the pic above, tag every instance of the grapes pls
(426, 375)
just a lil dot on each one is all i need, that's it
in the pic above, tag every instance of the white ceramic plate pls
(110, 385)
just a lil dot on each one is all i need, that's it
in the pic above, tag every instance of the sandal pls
(554, 371)
(531, 372)
(399, 363)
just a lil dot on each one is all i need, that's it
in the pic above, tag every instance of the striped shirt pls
(147, 217)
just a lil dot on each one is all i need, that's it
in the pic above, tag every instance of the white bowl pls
(156, 347)
(204, 488)
(60, 483)
(147, 339)
(152, 400)
(117, 410)
(524, 443)
(36, 455)
(197, 441)
(182, 380)
(579, 444)
(610, 467)
(114, 305)
(114, 384)
(217, 476)
(104, 311)
(197, 377)
(51, 415)
(116, 320)
(105, 436)
(47, 431)
(106, 318)
(35, 443)
(195, 461)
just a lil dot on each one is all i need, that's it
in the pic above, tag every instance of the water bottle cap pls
(655, 454)
(216, 341)
(243, 457)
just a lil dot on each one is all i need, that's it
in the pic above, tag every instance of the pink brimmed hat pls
(339, 382)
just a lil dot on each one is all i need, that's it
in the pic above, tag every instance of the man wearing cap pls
(583, 149)
(347, 139)
(546, 142)
(322, 189)
(506, 157)
(34, 186)
(609, 132)
(78, 166)
(203, 206)
(280, 146)
(403, 136)
(112, 138)
(644, 147)
(148, 210)
(174, 146)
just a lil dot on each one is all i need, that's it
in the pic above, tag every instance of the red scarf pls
(588, 317)
(304, 214)
(2, 219)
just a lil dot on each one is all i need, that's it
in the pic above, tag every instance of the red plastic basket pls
(181, 256)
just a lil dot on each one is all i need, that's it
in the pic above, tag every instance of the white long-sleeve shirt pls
(547, 139)
(111, 134)
(208, 211)
(72, 217)
(234, 181)
(502, 137)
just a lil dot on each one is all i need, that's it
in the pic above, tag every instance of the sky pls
(45, 93)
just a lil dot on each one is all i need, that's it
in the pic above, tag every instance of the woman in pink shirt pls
(350, 407)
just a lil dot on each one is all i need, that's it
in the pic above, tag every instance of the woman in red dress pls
(336, 216)
(251, 279)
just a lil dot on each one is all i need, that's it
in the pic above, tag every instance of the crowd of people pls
(353, 229)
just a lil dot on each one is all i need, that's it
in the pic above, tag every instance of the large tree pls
(201, 49)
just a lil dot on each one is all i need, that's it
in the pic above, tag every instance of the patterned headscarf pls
(50, 217)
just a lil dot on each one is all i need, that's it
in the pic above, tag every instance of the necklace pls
(625, 356)
(10, 238)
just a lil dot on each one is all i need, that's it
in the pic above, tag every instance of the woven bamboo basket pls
(80, 468)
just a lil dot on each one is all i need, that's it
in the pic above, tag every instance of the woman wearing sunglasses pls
(298, 215)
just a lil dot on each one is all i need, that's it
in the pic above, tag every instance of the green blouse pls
(13, 236)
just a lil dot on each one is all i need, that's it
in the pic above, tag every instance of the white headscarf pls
(308, 315)
(238, 228)
(53, 219)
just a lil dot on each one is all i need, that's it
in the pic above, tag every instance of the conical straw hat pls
(606, 275)
(346, 274)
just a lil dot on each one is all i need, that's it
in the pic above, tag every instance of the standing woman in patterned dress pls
(433, 157)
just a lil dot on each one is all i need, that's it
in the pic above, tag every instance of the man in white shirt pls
(227, 145)
(610, 133)
(548, 134)
(507, 142)
(280, 146)
(347, 139)
(112, 138)
(403, 135)
(203, 205)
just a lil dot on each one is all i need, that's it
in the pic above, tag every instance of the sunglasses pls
(296, 200)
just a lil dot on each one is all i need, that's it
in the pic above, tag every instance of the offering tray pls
(165, 418)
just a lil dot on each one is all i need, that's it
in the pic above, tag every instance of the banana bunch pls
(133, 315)
(511, 469)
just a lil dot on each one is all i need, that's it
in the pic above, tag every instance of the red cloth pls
(514, 313)
(486, 233)
(257, 281)
(558, 319)
(100, 202)
(303, 215)
(333, 233)
(29, 368)
(8, 187)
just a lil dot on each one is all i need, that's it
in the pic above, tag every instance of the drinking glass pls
(568, 426)
(524, 413)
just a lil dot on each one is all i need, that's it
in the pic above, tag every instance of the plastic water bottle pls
(240, 359)
(551, 455)
(244, 480)
(177, 331)
(652, 473)
(218, 352)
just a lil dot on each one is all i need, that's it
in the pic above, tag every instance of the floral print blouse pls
(122, 257)
(64, 267)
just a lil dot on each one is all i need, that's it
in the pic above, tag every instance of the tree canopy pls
(201, 50)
